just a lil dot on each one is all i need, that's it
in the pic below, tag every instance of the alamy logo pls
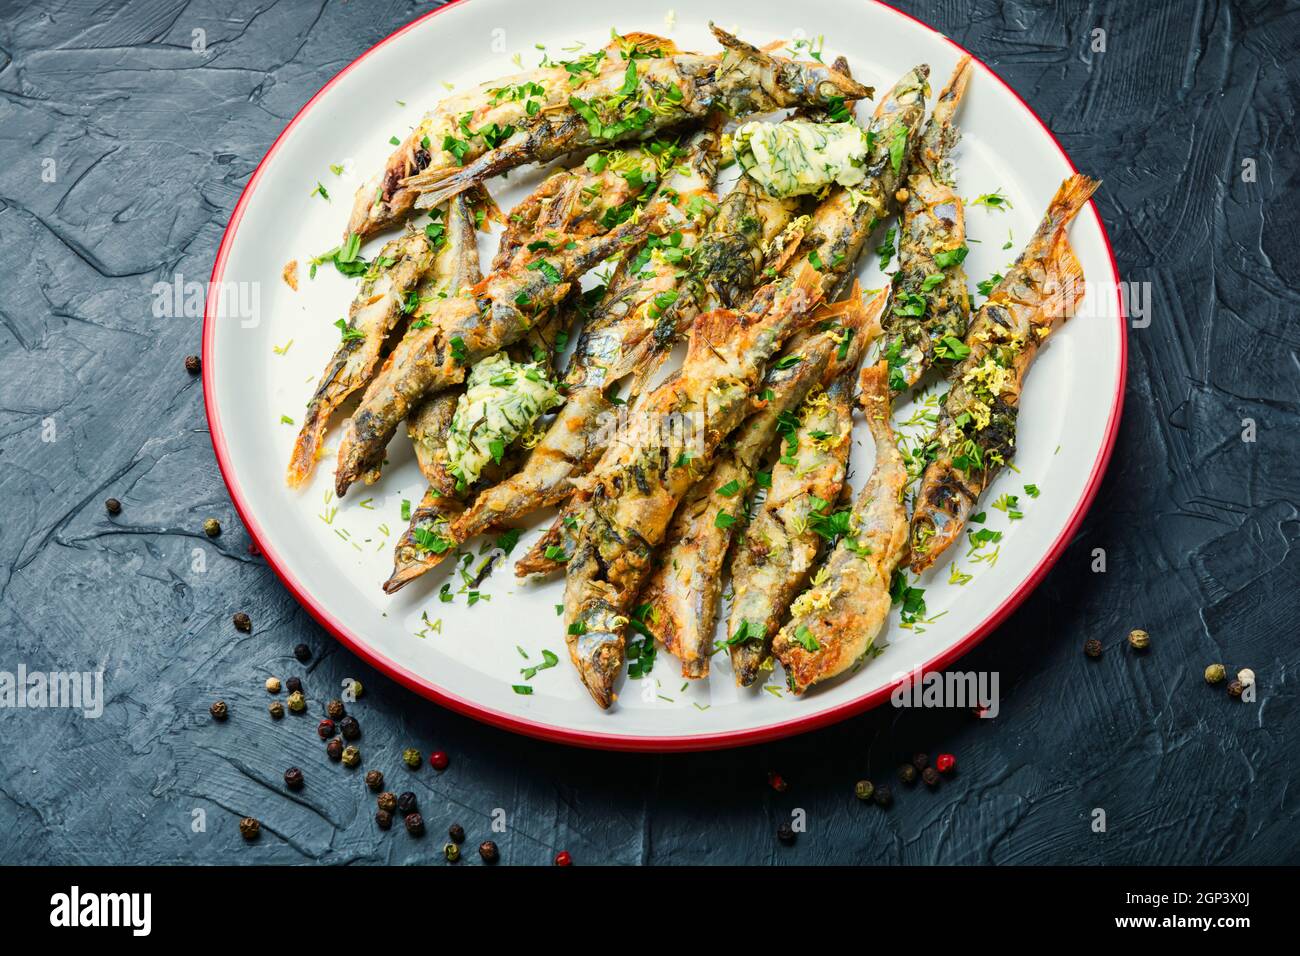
(976, 690)
(37, 690)
(102, 909)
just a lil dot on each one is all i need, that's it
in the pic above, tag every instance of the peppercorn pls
(930, 776)
(452, 852)
(883, 796)
(334, 709)
(777, 782)
(192, 364)
(325, 729)
(384, 819)
(1234, 688)
(219, 710)
(349, 728)
(249, 828)
(302, 652)
(414, 824)
(277, 710)
(456, 832)
(785, 833)
(1246, 676)
(945, 762)
(387, 801)
(356, 690)
(113, 506)
(405, 802)
(1215, 673)
(439, 760)
(351, 757)
(293, 685)
(293, 778)
(863, 789)
(1139, 639)
(920, 761)
(374, 780)
(563, 859)
(334, 750)
(907, 774)
(411, 757)
(273, 685)
(242, 622)
(212, 527)
(488, 851)
(297, 702)
(1092, 647)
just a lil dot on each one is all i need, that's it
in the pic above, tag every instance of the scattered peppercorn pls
(273, 685)
(302, 652)
(277, 710)
(414, 824)
(293, 778)
(192, 364)
(439, 760)
(1092, 647)
(325, 729)
(777, 782)
(212, 527)
(945, 762)
(452, 852)
(1139, 639)
(563, 859)
(242, 622)
(374, 780)
(334, 750)
(297, 702)
(863, 789)
(384, 819)
(113, 506)
(293, 685)
(785, 833)
(349, 728)
(1234, 688)
(335, 710)
(920, 761)
(387, 801)
(219, 710)
(930, 776)
(1246, 676)
(488, 851)
(456, 832)
(405, 802)
(907, 774)
(356, 689)
(249, 828)
(351, 757)
(411, 757)
(1215, 673)
(883, 796)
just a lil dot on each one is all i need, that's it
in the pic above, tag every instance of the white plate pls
(1070, 411)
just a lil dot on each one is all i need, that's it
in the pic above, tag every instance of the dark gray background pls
(153, 145)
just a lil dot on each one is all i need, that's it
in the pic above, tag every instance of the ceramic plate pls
(265, 345)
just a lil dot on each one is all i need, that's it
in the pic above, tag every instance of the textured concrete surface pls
(151, 146)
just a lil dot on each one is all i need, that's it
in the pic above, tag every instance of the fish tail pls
(950, 96)
(439, 183)
(844, 86)
(1073, 193)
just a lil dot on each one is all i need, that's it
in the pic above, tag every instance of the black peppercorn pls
(277, 710)
(384, 819)
(1235, 688)
(293, 685)
(334, 750)
(325, 729)
(293, 778)
(387, 801)
(785, 833)
(405, 802)
(192, 364)
(113, 506)
(863, 789)
(249, 828)
(456, 832)
(920, 761)
(302, 652)
(1092, 647)
(349, 728)
(930, 776)
(212, 527)
(489, 852)
(374, 780)
(243, 622)
(219, 710)
(414, 824)
(335, 710)
(883, 796)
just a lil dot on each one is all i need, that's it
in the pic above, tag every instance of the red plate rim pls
(606, 741)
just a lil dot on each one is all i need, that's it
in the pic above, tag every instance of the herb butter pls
(502, 400)
(797, 158)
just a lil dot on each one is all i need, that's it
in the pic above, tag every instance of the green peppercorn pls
(351, 756)
(334, 750)
(452, 852)
(334, 710)
(293, 778)
(930, 776)
(1215, 673)
(863, 789)
(297, 702)
(349, 728)
(249, 828)
(384, 818)
(293, 685)
(212, 527)
(785, 833)
(406, 802)
(883, 796)
(242, 622)
(219, 710)
(374, 780)
(1235, 688)
(907, 774)
(456, 832)
(387, 801)
(1139, 639)
(1092, 647)
(357, 690)
(414, 824)
(488, 851)
(277, 710)
(411, 757)
(113, 506)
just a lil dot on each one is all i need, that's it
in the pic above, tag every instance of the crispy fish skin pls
(632, 99)
(976, 432)
(631, 495)
(932, 222)
(835, 621)
(681, 596)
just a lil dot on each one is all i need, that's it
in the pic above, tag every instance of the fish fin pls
(1065, 284)
(437, 184)
(1073, 193)
(648, 43)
